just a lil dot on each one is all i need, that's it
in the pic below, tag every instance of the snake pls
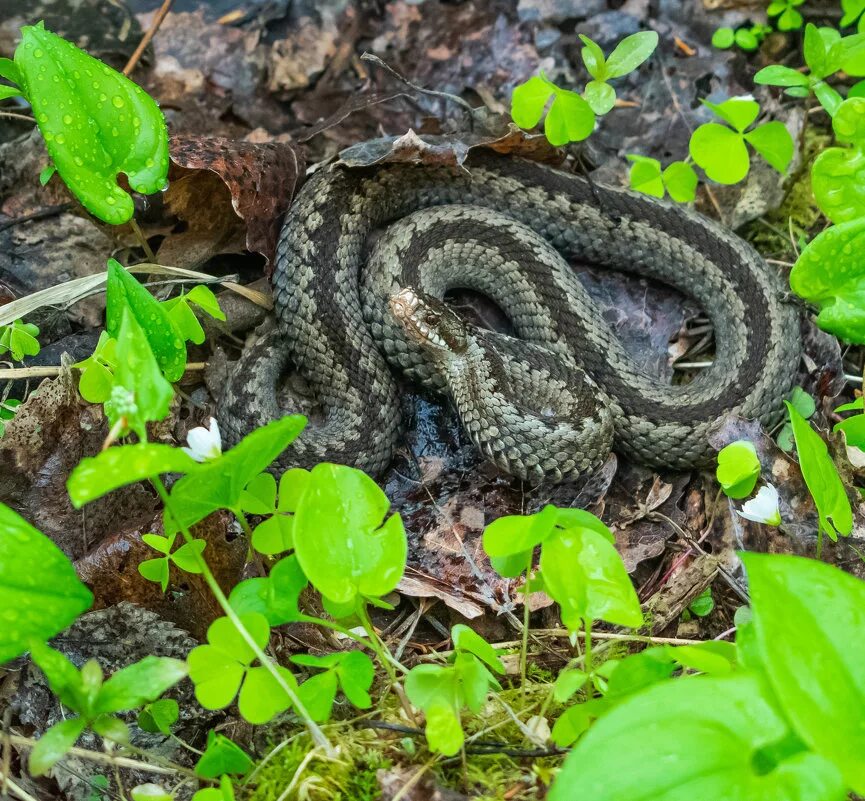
(367, 255)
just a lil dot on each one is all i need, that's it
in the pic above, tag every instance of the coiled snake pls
(547, 404)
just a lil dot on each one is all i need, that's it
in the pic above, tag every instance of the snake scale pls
(547, 403)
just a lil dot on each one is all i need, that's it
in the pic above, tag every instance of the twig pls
(51, 370)
(145, 40)
(13, 116)
(18, 792)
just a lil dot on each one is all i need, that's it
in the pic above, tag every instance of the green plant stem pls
(524, 646)
(317, 735)
(587, 658)
(380, 649)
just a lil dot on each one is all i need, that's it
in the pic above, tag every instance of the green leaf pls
(64, 679)
(183, 320)
(747, 39)
(261, 698)
(9, 71)
(632, 51)
(703, 604)
(852, 59)
(150, 792)
(738, 112)
(464, 639)
(276, 597)
(155, 570)
(343, 514)
(118, 466)
(821, 476)
(680, 181)
(696, 738)
(738, 469)
(351, 670)
(809, 619)
(828, 97)
(219, 483)
(159, 716)
(600, 96)
(593, 58)
(124, 291)
(222, 756)
(779, 75)
(47, 174)
(96, 123)
(723, 38)
(570, 119)
(40, 592)
(111, 728)
(203, 297)
(97, 370)
(54, 743)
(712, 656)
(567, 683)
(528, 101)
(19, 339)
(830, 273)
(720, 152)
(585, 575)
(519, 534)
(814, 50)
(187, 556)
(790, 20)
(852, 10)
(645, 175)
(774, 143)
(139, 683)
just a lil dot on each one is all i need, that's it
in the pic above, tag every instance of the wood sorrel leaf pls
(96, 123)
(40, 593)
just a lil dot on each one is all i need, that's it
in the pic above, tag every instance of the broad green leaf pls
(183, 320)
(475, 681)
(317, 694)
(854, 430)
(600, 96)
(139, 683)
(219, 483)
(40, 593)
(814, 50)
(697, 738)
(835, 180)
(779, 75)
(159, 716)
(712, 656)
(567, 683)
(528, 101)
(747, 39)
(261, 698)
(721, 152)
(738, 469)
(64, 679)
(790, 20)
(853, 53)
(150, 792)
(828, 97)
(645, 175)
(518, 534)
(585, 575)
(809, 619)
(680, 181)
(222, 756)
(97, 370)
(343, 514)
(111, 728)
(738, 112)
(774, 143)
(638, 671)
(852, 11)
(444, 732)
(830, 273)
(821, 476)
(593, 58)
(118, 466)
(96, 123)
(464, 639)
(570, 119)
(203, 297)
(9, 71)
(632, 51)
(19, 338)
(276, 597)
(54, 743)
(124, 291)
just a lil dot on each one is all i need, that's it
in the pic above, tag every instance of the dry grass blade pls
(70, 292)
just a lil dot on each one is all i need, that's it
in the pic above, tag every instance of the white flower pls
(763, 508)
(204, 443)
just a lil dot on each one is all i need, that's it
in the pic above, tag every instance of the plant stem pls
(315, 732)
(587, 659)
(377, 645)
(524, 646)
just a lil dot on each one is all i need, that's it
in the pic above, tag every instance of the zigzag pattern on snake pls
(506, 227)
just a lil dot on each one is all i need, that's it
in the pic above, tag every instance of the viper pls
(366, 256)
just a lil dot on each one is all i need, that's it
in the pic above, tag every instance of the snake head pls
(429, 322)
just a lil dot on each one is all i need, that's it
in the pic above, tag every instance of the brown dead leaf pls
(261, 178)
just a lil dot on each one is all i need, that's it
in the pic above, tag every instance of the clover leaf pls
(276, 596)
(679, 178)
(352, 671)
(275, 534)
(570, 117)
(738, 469)
(789, 19)
(97, 370)
(721, 151)
(186, 557)
(343, 513)
(222, 756)
(183, 317)
(96, 123)
(19, 339)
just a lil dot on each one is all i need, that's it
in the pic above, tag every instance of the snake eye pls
(432, 318)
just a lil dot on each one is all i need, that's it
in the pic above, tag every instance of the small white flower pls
(763, 508)
(204, 443)
(743, 97)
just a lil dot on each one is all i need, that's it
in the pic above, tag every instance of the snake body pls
(506, 227)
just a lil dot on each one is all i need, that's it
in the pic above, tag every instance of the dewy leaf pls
(779, 75)
(697, 738)
(738, 469)
(124, 291)
(830, 273)
(600, 96)
(115, 467)
(96, 123)
(809, 619)
(821, 476)
(528, 101)
(721, 152)
(593, 58)
(835, 177)
(632, 51)
(570, 119)
(343, 513)
(585, 575)
(40, 593)
(774, 143)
